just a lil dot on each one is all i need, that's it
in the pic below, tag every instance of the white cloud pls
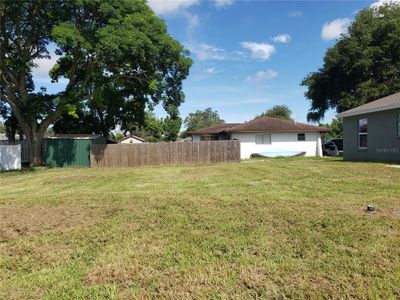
(206, 73)
(379, 3)
(295, 13)
(261, 76)
(210, 71)
(282, 38)
(333, 30)
(177, 8)
(223, 3)
(181, 8)
(193, 19)
(43, 67)
(164, 7)
(204, 51)
(261, 51)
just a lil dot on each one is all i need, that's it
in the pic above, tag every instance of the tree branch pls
(51, 118)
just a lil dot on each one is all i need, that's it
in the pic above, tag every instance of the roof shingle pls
(261, 124)
(215, 129)
(386, 103)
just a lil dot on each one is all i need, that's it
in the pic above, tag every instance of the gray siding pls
(383, 139)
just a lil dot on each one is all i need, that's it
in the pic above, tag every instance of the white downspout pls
(319, 146)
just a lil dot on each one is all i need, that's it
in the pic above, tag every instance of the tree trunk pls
(34, 140)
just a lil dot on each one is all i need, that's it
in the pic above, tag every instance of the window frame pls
(298, 135)
(209, 138)
(359, 134)
(263, 135)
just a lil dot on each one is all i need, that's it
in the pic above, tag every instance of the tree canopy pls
(364, 65)
(116, 56)
(201, 119)
(279, 112)
(157, 130)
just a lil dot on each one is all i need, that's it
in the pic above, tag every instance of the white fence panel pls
(24, 148)
(10, 157)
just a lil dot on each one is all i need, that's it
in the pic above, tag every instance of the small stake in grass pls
(370, 208)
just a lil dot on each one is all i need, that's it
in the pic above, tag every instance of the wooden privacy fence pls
(132, 155)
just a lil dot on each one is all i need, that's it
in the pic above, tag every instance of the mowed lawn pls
(280, 228)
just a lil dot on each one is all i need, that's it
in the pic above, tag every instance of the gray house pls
(371, 132)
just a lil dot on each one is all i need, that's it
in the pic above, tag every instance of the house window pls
(301, 136)
(263, 139)
(209, 138)
(363, 133)
(398, 125)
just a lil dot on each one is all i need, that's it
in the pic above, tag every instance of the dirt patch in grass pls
(15, 222)
(109, 274)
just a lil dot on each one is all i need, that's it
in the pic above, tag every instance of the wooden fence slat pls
(132, 155)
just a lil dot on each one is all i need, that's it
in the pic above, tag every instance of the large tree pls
(116, 55)
(201, 119)
(364, 65)
(278, 112)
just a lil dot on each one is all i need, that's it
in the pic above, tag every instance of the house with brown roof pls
(132, 139)
(371, 132)
(265, 135)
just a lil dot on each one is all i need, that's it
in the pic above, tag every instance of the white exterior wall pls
(131, 140)
(279, 142)
(10, 157)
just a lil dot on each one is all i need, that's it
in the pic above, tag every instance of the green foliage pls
(128, 60)
(118, 136)
(363, 66)
(2, 128)
(279, 112)
(12, 128)
(151, 130)
(171, 127)
(117, 56)
(336, 127)
(157, 130)
(201, 119)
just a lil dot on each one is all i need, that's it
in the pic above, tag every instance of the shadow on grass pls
(25, 170)
(387, 162)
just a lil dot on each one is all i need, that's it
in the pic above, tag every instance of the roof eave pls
(277, 131)
(367, 111)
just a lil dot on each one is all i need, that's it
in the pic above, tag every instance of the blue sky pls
(249, 55)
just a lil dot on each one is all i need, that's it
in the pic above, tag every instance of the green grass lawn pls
(280, 228)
